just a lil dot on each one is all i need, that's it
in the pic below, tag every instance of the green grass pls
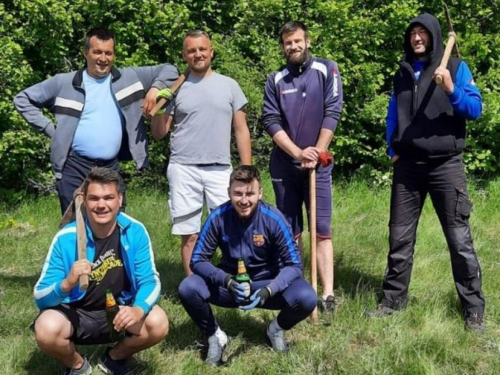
(426, 338)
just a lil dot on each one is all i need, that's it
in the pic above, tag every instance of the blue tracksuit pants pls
(296, 302)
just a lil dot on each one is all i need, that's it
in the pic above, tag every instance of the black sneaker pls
(216, 348)
(475, 323)
(381, 311)
(113, 367)
(327, 306)
(86, 369)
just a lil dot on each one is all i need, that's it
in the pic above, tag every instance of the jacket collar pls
(78, 78)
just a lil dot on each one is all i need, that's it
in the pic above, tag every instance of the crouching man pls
(119, 259)
(249, 230)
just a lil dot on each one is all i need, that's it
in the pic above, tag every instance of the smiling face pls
(245, 197)
(420, 40)
(102, 202)
(295, 46)
(100, 57)
(198, 53)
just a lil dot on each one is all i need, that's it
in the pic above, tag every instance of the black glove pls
(237, 290)
(259, 298)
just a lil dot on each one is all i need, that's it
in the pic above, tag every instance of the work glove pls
(259, 298)
(236, 290)
(166, 93)
(325, 158)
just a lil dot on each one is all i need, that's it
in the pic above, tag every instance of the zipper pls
(415, 99)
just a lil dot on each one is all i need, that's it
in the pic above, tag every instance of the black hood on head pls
(432, 24)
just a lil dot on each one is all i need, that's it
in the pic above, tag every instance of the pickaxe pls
(451, 45)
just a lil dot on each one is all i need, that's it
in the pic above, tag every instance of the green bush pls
(39, 38)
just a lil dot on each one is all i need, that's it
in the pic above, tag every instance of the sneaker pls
(86, 369)
(216, 346)
(113, 367)
(475, 323)
(277, 340)
(327, 305)
(381, 311)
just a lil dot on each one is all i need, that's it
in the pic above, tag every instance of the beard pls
(298, 58)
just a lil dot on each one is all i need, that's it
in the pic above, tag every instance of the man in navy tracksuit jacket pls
(302, 107)
(426, 125)
(246, 228)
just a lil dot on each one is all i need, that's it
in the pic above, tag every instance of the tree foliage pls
(39, 38)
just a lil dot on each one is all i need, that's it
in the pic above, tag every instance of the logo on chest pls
(258, 240)
(289, 91)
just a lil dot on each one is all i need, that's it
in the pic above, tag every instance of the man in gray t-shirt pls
(205, 109)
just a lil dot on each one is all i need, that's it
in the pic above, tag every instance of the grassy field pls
(426, 338)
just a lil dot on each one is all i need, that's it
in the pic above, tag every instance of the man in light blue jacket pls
(119, 259)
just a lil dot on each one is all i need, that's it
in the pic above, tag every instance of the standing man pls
(119, 259)
(205, 110)
(98, 113)
(302, 106)
(426, 126)
(247, 229)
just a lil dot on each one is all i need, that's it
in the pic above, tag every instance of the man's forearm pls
(286, 144)
(324, 140)
(242, 135)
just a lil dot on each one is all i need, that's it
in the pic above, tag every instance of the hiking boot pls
(475, 323)
(86, 369)
(277, 340)
(113, 367)
(381, 311)
(327, 306)
(216, 345)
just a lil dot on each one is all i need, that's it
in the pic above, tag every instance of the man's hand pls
(236, 290)
(309, 157)
(259, 298)
(394, 159)
(79, 268)
(447, 83)
(127, 317)
(167, 94)
(149, 101)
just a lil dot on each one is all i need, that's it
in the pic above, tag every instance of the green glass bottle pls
(111, 311)
(242, 277)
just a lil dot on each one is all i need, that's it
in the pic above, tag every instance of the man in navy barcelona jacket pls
(246, 228)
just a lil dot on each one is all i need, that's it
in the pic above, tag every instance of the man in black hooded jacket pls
(426, 137)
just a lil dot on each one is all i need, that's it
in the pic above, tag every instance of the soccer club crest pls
(258, 239)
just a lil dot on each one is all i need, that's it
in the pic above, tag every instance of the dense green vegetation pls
(39, 38)
(427, 338)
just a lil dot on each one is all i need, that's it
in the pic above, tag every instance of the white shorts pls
(189, 187)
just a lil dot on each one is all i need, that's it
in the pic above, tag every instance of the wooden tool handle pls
(312, 240)
(81, 237)
(175, 86)
(452, 37)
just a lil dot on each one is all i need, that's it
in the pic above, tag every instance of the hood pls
(432, 25)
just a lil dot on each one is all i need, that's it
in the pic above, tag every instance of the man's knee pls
(307, 299)
(51, 326)
(157, 324)
(189, 288)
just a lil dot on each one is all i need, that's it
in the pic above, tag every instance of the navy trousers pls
(296, 302)
(74, 173)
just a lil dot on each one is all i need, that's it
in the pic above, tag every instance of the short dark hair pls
(102, 175)
(100, 33)
(245, 174)
(291, 27)
(195, 34)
